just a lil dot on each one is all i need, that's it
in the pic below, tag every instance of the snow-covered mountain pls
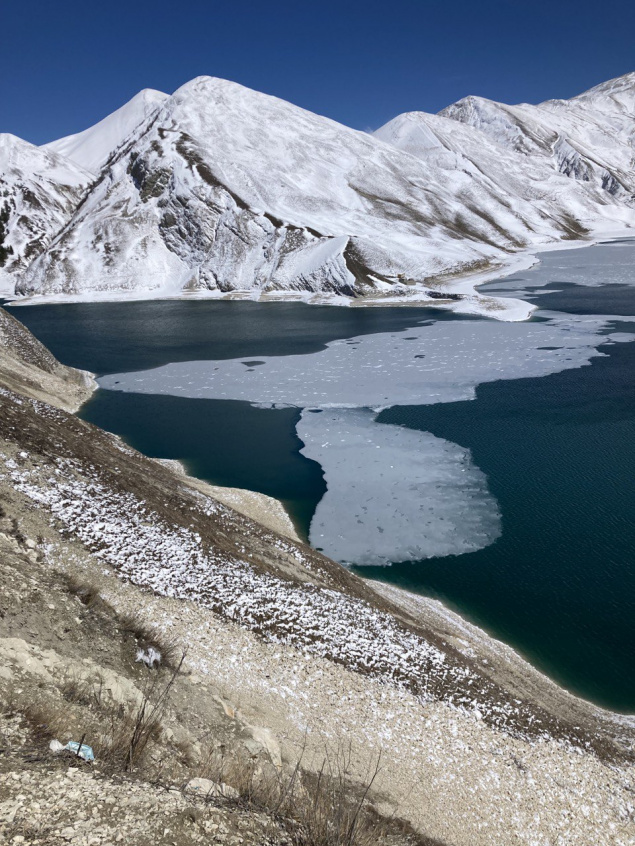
(39, 191)
(228, 190)
(222, 190)
(92, 148)
(590, 138)
(524, 196)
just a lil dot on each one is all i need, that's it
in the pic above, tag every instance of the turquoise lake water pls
(558, 451)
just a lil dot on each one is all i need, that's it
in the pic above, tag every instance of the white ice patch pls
(443, 362)
(394, 494)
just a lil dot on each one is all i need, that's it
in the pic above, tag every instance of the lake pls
(486, 464)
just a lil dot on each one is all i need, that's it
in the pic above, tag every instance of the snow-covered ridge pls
(219, 190)
(92, 148)
(39, 190)
(590, 137)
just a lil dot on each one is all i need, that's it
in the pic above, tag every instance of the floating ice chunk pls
(443, 362)
(394, 494)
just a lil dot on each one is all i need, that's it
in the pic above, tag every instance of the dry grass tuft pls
(327, 808)
(83, 690)
(86, 592)
(119, 735)
(46, 719)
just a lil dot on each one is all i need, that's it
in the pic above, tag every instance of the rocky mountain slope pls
(26, 365)
(511, 159)
(39, 191)
(289, 658)
(590, 138)
(223, 191)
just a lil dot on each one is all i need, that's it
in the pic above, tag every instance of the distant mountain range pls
(219, 190)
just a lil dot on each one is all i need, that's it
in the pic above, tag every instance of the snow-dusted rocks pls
(39, 190)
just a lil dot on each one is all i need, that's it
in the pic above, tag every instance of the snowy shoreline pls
(498, 308)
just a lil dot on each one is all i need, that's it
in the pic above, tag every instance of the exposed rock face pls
(221, 190)
(39, 191)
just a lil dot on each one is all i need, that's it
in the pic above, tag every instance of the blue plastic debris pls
(86, 751)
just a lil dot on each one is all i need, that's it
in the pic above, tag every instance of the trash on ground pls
(151, 657)
(84, 751)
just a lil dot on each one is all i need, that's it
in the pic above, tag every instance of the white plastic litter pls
(151, 657)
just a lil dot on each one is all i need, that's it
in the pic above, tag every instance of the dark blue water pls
(558, 452)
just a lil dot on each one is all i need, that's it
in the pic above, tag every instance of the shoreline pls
(263, 509)
(510, 668)
(465, 284)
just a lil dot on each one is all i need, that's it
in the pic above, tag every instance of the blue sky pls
(68, 64)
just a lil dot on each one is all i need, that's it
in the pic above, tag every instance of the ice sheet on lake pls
(394, 494)
(603, 264)
(441, 362)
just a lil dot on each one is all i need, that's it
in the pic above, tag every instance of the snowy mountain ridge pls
(219, 190)
(39, 191)
(92, 148)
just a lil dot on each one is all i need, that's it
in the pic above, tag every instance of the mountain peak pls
(92, 147)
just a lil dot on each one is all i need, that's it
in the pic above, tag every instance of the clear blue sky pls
(67, 64)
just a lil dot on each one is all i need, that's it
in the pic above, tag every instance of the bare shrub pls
(330, 810)
(131, 729)
(327, 808)
(120, 735)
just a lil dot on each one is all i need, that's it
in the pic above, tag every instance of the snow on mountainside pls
(224, 191)
(229, 190)
(590, 138)
(39, 190)
(519, 192)
(92, 147)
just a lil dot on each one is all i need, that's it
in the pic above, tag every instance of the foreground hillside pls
(289, 659)
(218, 190)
